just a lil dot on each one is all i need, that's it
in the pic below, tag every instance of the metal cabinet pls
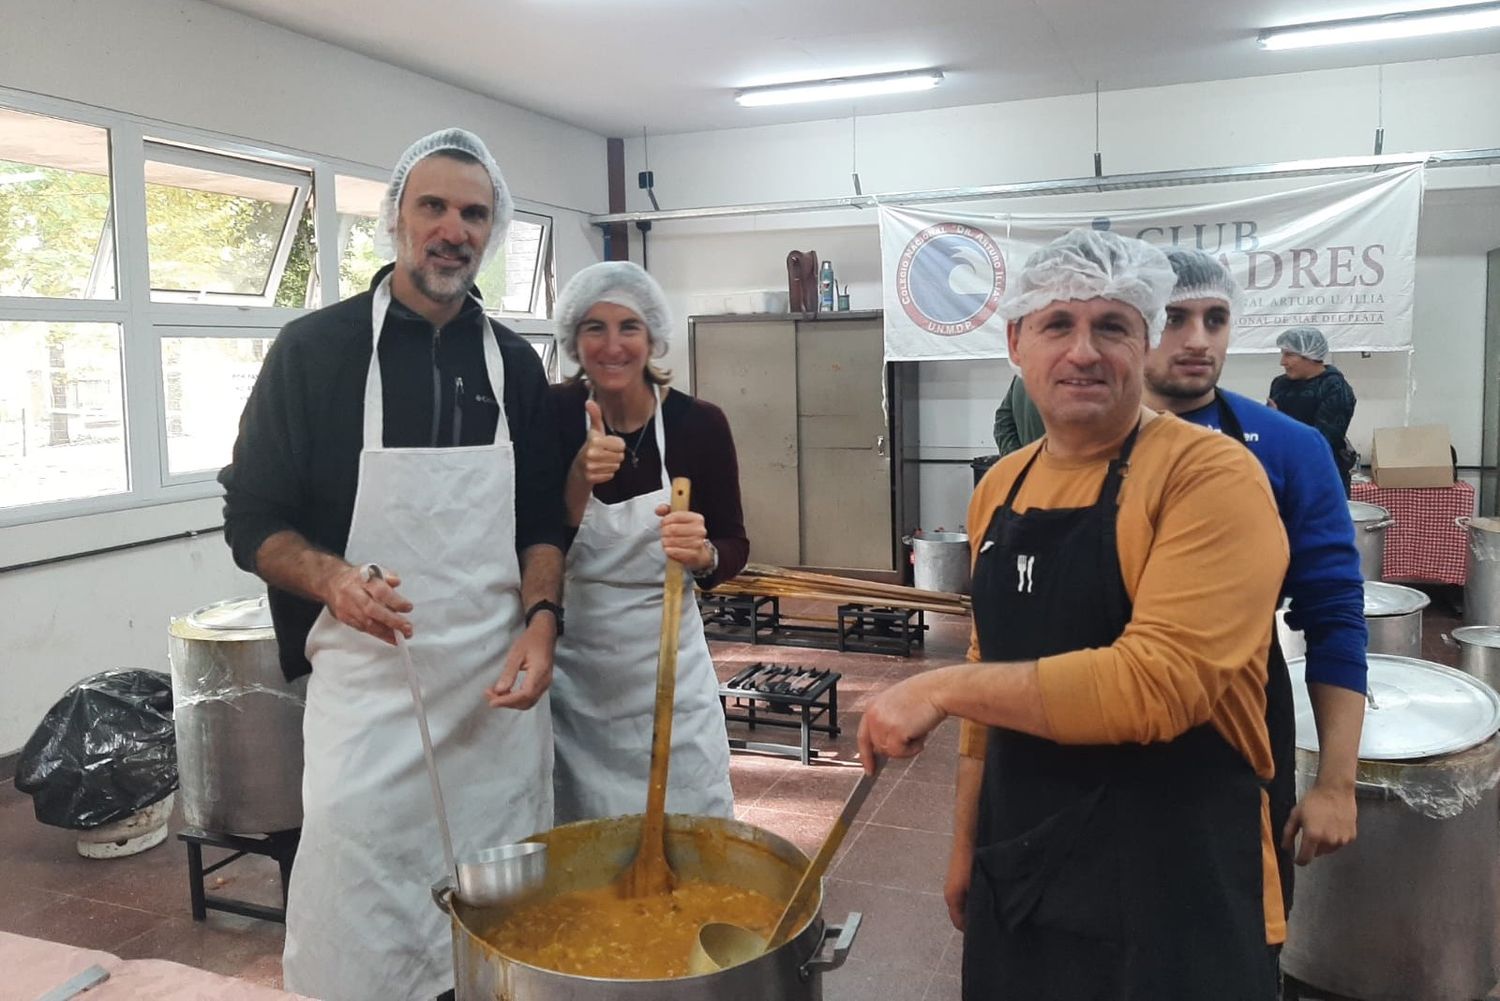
(816, 416)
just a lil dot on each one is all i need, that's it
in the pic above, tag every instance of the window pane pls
(358, 202)
(508, 281)
(209, 231)
(206, 381)
(61, 412)
(54, 208)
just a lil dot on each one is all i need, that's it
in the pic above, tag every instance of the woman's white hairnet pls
(1200, 275)
(623, 283)
(443, 141)
(1308, 342)
(1094, 264)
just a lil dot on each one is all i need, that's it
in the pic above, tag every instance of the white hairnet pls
(1308, 342)
(623, 283)
(1094, 264)
(444, 140)
(1200, 275)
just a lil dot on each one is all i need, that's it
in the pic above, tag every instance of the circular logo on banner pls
(950, 278)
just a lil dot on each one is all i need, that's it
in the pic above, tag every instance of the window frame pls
(152, 491)
(144, 322)
(539, 274)
(301, 182)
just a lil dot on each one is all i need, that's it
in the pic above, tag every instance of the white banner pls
(1339, 256)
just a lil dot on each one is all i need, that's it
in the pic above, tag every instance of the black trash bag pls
(106, 750)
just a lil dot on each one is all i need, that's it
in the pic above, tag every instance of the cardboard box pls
(1412, 457)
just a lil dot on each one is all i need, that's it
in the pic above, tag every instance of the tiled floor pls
(891, 868)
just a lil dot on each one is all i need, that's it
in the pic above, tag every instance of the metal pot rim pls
(1384, 600)
(1484, 637)
(813, 928)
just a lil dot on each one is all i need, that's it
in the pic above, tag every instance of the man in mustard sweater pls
(1112, 837)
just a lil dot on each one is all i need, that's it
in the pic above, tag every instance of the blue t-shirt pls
(1323, 580)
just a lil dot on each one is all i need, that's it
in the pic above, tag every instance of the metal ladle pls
(490, 876)
(721, 945)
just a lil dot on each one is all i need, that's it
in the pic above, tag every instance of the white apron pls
(604, 687)
(361, 924)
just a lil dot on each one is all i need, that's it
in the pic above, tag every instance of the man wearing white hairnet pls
(1111, 833)
(1316, 393)
(1323, 581)
(397, 484)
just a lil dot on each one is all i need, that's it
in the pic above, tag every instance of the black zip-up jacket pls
(296, 462)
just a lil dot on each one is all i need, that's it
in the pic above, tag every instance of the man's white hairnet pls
(1094, 264)
(1200, 275)
(443, 141)
(623, 283)
(1308, 342)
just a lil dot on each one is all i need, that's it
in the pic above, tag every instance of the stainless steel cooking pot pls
(1393, 615)
(238, 721)
(940, 561)
(1482, 571)
(1371, 522)
(592, 853)
(1409, 911)
(1479, 652)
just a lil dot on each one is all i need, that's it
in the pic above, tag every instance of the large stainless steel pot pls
(1371, 522)
(1393, 615)
(592, 853)
(1409, 911)
(238, 721)
(941, 561)
(1482, 581)
(1479, 652)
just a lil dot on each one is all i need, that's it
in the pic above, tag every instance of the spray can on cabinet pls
(826, 286)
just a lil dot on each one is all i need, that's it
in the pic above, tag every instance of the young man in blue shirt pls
(1323, 580)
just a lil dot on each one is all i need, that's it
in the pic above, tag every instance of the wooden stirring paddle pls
(649, 874)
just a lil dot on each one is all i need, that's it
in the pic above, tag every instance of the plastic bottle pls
(826, 286)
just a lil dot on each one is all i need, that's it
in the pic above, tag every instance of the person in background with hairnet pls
(1316, 393)
(1111, 831)
(397, 481)
(1323, 580)
(629, 435)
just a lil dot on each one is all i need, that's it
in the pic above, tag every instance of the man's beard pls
(440, 286)
(1177, 389)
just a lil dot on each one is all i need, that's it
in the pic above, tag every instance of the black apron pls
(1281, 718)
(1110, 872)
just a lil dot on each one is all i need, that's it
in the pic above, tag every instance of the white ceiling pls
(618, 66)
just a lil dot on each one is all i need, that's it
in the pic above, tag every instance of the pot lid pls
(233, 615)
(1392, 599)
(1417, 709)
(1367, 512)
(1478, 635)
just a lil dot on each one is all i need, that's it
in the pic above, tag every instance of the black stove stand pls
(858, 628)
(281, 846)
(765, 694)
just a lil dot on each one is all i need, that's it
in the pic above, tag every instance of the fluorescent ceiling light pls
(838, 89)
(1409, 24)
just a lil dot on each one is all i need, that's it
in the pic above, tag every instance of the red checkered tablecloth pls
(1424, 544)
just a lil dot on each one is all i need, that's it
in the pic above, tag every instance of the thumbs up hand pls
(601, 455)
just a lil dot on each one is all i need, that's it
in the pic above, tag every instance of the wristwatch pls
(546, 606)
(713, 562)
